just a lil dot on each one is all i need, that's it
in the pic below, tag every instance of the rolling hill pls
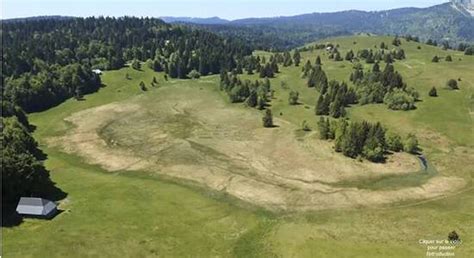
(135, 166)
(451, 22)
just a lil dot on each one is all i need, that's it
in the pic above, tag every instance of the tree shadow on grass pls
(10, 218)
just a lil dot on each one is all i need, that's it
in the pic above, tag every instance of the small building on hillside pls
(36, 207)
(97, 71)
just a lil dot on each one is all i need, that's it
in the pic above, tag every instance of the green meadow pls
(140, 214)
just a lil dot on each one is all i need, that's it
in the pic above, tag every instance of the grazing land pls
(183, 172)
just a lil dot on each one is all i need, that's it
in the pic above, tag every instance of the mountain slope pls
(450, 22)
(441, 22)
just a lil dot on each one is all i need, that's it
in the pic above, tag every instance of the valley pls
(178, 170)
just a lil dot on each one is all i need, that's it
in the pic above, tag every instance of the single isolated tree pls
(448, 58)
(453, 236)
(293, 98)
(142, 86)
(433, 92)
(452, 84)
(268, 119)
(435, 59)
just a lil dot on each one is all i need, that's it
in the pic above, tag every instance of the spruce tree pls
(318, 61)
(433, 92)
(268, 119)
(297, 57)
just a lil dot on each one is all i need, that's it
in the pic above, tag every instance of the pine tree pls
(322, 105)
(318, 61)
(268, 119)
(433, 92)
(252, 100)
(297, 57)
(323, 127)
(142, 86)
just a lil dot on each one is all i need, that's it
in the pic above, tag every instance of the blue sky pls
(229, 9)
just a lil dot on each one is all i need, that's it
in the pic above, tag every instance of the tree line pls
(47, 61)
(23, 172)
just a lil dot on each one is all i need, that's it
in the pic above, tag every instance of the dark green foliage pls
(255, 94)
(11, 110)
(55, 64)
(293, 97)
(333, 103)
(51, 86)
(322, 105)
(297, 57)
(431, 42)
(469, 51)
(268, 119)
(396, 41)
(452, 84)
(318, 61)
(142, 86)
(386, 86)
(435, 59)
(433, 92)
(359, 138)
(453, 236)
(268, 70)
(349, 55)
(318, 79)
(324, 128)
(252, 100)
(448, 58)
(398, 53)
(23, 173)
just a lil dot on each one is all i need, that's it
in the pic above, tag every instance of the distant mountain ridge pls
(452, 21)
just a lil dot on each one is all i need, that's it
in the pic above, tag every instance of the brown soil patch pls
(191, 134)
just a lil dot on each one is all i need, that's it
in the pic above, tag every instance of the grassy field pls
(140, 214)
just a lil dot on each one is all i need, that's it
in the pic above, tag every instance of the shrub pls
(293, 98)
(194, 74)
(433, 92)
(410, 144)
(394, 142)
(136, 64)
(399, 100)
(448, 59)
(452, 84)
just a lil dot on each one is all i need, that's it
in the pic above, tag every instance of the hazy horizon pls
(224, 9)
